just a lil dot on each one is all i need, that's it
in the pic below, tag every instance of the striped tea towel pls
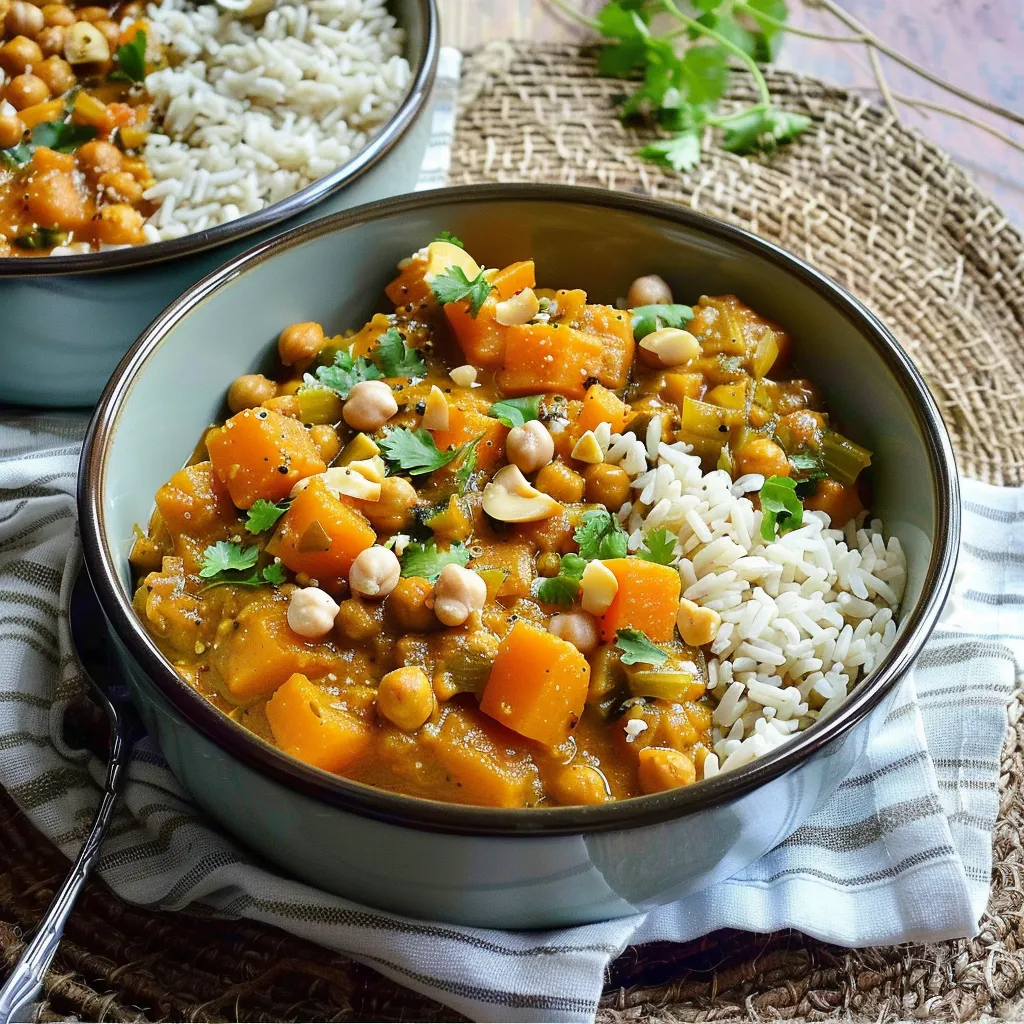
(903, 850)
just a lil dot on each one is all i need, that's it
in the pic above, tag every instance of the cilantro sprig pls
(62, 136)
(447, 236)
(225, 562)
(648, 319)
(453, 285)
(514, 412)
(600, 535)
(131, 60)
(415, 452)
(637, 649)
(264, 514)
(685, 73)
(343, 374)
(659, 546)
(781, 509)
(565, 586)
(426, 561)
(395, 358)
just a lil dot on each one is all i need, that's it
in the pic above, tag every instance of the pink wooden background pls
(978, 44)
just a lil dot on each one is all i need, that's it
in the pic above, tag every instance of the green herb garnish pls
(447, 236)
(647, 319)
(563, 588)
(637, 649)
(343, 374)
(453, 285)
(781, 509)
(659, 546)
(224, 562)
(600, 536)
(131, 60)
(264, 514)
(426, 561)
(396, 359)
(414, 451)
(514, 412)
(62, 136)
(468, 467)
(41, 238)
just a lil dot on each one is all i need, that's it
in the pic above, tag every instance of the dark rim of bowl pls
(423, 65)
(453, 818)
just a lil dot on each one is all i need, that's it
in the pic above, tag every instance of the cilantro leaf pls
(807, 466)
(415, 451)
(453, 285)
(637, 649)
(226, 556)
(781, 509)
(514, 412)
(131, 60)
(426, 561)
(600, 536)
(447, 236)
(647, 319)
(263, 514)
(274, 573)
(705, 74)
(343, 374)
(61, 136)
(396, 358)
(681, 151)
(659, 546)
(762, 129)
(563, 588)
(41, 238)
(771, 34)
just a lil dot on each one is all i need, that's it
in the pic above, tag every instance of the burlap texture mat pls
(890, 217)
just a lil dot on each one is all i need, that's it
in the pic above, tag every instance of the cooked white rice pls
(251, 111)
(802, 618)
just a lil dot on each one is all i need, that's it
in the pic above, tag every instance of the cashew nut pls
(598, 587)
(464, 376)
(669, 346)
(85, 43)
(588, 449)
(520, 309)
(511, 498)
(436, 414)
(697, 626)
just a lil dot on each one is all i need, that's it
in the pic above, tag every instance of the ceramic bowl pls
(66, 321)
(483, 866)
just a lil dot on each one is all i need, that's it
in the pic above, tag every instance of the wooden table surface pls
(975, 43)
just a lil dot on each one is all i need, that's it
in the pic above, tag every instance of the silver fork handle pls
(25, 983)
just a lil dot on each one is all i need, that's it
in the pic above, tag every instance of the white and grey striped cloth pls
(903, 851)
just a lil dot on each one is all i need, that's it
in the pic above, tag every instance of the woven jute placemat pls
(891, 218)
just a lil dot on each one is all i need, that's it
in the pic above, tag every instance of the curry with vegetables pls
(74, 115)
(401, 558)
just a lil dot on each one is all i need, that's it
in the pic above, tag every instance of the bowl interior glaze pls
(172, 385)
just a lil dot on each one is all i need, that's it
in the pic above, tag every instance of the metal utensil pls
(88, 632)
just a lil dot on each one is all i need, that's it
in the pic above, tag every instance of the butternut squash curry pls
(401, 558)
(73, 117)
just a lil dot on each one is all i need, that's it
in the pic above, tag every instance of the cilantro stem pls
(785, 26)
(570, 12)
(726, 44)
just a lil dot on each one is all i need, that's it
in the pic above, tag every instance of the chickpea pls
(578, 628)
(375, 572)
(580, 784)
(407, 605)
(57, 15)
(326, 439)
(120, 224)
(406, 698)
(12, 129)
(648, 290)
(358, 620)
(51, 41)
(548, 564)
(299, 342)
(311, 612)
(111, 31)
(97, 158)
(530, 446)
(561, 482)
(93, 13)
(661, 768)
(26, 91)
(697, 626)
(23, 19)
(392, 512)
(19, 53)
(458, 593)
(370, 404)
(120, 185)
(761, 455)
(804, 427)
(58, 76)
(249, 391)
(607, 485)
